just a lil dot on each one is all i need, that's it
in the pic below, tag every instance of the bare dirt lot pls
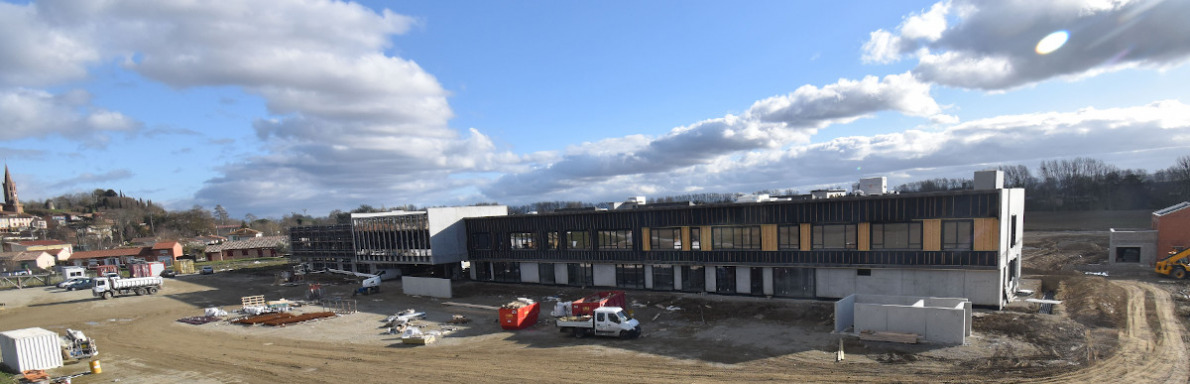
(1128, 327)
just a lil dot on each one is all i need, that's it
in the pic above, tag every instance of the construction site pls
(1103, 323)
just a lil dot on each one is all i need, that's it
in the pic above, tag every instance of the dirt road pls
(713, 339)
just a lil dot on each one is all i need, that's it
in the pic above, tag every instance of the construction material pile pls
(282, 318)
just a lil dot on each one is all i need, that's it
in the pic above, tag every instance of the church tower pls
(11, 202)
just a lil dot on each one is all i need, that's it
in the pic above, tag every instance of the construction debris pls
(458, 319)
(282, 319)
(476, 306)
(199, 320)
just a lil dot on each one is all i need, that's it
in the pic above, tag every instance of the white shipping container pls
(30, 348)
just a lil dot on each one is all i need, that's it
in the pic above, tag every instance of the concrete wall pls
(768, 281)
(939, 320)
(844, 313)
(980, 286)
(426, 286)
(561, 277)
(530, 273)
(448, 235)
(1144, 239)
(605, 274)
(743, 280)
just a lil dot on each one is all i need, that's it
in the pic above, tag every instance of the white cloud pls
(1162, 129)
(768, 125)
(35, 113)
(35, 50)
(989, 45)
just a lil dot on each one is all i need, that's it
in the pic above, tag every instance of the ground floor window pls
(630, 276)
(694, 279)
(1128, 254)
(663, 277)
(757, 280)
(507, 272)
(545, 273)
(580, 275)
(725, 279)
(793, 282)
(483, 271)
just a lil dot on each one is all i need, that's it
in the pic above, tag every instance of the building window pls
(615, 240)
(725, 280)
(1013, 230)
(863, 272)
(834, 236)
(545, 273)
(630, 276)
(483, 271)
(957, 235)
(694, 279)
(507, 272)
(580, 275)
(481, 241)
(735, 238)
(896, 236)
(663, 277)
(552, 241)
(578, 240)
(521, 241)
(665, 238)
(789, 237)
(695, 239)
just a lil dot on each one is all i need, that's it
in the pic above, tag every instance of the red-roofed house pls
(26, 260)
(167, 251)
(243, 249)
(58, 248)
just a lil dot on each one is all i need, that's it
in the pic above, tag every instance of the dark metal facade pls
(847, 210)
(322, 243)
(398, 239)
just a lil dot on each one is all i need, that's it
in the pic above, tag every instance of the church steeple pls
(11, 202)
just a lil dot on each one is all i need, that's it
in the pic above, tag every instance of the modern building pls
(1170, 232)
(427, 243)
(961, 244)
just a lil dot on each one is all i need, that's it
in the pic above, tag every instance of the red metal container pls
(102, 270)
(587, 305)
(519, 318)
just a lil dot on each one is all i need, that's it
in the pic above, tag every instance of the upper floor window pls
(789, 237)
(615, 239)
(551, 241)
(665, 238)
(834, 236)
(521, 241)
(481, 240)
(957, 235)
(695, 238)
(735, 237)
(896, 236)
(578, 240)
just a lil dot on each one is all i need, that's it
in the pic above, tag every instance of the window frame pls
(743, 237)
(954, 227)
(657, 243)
(850, 236)
(614, 239)
(578, 240)
(783, 236)
(528, 241)
(879, 236)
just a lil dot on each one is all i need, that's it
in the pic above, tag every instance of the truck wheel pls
(139, 291)
(1179, 273)
(152, 290)
(108, 295)
(579, 332)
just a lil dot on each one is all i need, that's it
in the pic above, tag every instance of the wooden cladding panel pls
(805, 236)
(931, 235)
(865, 236)
(646, 242)
(987, 235)
(768, 237)
(704, 238)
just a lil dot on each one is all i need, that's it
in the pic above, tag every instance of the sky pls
(277, 107)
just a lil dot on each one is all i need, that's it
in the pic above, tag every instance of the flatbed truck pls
(604, 321)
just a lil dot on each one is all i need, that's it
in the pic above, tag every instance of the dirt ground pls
(1126, 327)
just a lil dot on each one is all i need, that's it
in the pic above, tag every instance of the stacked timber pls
(895, 337)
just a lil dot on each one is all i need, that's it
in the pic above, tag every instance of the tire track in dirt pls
(1141, 357)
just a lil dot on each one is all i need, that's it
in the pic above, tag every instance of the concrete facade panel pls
(844, 313)
(448, 235)
(981, 287)
(945, 326)
(560, 275)
(605, 275)
(426, 286)
(530, 273)
(648, 276)
(881, 282)
(834, 283)
(743, 280)
(908, 319)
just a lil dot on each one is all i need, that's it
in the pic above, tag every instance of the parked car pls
(207, 270)
(81, 284)
(70, 281)
(169, 273)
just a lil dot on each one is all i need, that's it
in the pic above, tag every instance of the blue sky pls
(307, 106)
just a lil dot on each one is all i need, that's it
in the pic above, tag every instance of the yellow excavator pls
(1176, 264)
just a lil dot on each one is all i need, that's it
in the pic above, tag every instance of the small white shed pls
(30, 348)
